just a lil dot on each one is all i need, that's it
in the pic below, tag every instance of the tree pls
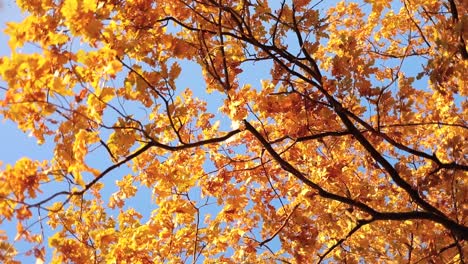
(352, 147)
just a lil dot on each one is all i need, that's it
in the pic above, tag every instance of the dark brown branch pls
(271, 50)
(227, 83)
(313, 137)
(108, 150)
(425, 124)
(416, 24)
(436, 253)
(134, 155)
(281, 227)
(438, 216)
(49, 198)
(166, 101)
(461, 44)
(291, 169)
(433, 215)
(360, 224)
(316, 71)
(415, 152)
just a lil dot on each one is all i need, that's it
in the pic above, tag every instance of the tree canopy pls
(259, 131)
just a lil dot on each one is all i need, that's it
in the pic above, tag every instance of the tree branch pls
(281, 227)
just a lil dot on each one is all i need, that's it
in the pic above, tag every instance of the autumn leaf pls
(236, 132)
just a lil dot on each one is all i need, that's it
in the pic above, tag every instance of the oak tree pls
(291, 131)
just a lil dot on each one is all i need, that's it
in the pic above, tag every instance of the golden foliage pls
(348, 138)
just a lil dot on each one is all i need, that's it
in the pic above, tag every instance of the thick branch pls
(461, 44)
(360, 224)
(400, 146)
(134, 155)
(459, 229)
(281, 227)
